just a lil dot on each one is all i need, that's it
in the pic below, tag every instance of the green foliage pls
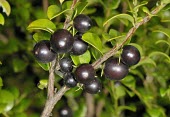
(146, 86)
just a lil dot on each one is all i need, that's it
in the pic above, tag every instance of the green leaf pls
(81, 111)
(42, 24)
(84, 58)
(115, 4)
(1, 82)
(7, 100)
(2, 21)
(52, 11)
(165, 31)
(129, 107)
(81, 6)
(15, 92)
(163, 91)
(5, 6)
(45, 66)
(154, 112)
(121, 16)
(129, 81)
(145, 60)
(43, 84)
(163, 41)
(141, 4)
(61, 1)
(41, 36)
(165, 1)
(119, 91)
(17, 63)
(93, 40)
(0, 63)
(158, 54)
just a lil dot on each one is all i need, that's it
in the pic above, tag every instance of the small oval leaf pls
(42, 24)
(121, 16)
(41, 36)
(84, 58)
(5, 6)
(52, 11)
(159, 53)
(2, 21)
(93, 40)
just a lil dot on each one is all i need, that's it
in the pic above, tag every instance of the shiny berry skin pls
(62, 41)
(79, 46)
(43, 52)
(130, 55)
(84, 73)
(66, 64)
(65, 112)
(94, 86)
(82, 23)
(69, 80)
(114, 70)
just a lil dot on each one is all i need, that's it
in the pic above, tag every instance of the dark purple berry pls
(43, 52)
(79, 46)
(82, 23)
(130, 55)
(115, 70)
(62, 41)
(84, 73)
(69, 80)
(94, 86)
(66, 64)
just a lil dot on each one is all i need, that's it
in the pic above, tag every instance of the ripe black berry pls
(66, 64)
(69, 80)
(94, 86)
(62, 41)
(65, 112)
(79, 46)
(130, 55)
(84, 73)
(43, 53)
(82, 23)
(115, 70)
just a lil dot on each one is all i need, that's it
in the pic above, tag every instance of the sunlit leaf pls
(2, 21)
(84, 58)
(121, 16)
(163, 91)
(5, 6)
(52, 11)
(119, 91)
(61, 1)
(165, 1)
(42, 84)
(41, 36)
(93, 40)
(42, 24)
(81, 111)
(115, 4)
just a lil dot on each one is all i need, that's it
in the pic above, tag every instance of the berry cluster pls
(62, 42)
(116, 69)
